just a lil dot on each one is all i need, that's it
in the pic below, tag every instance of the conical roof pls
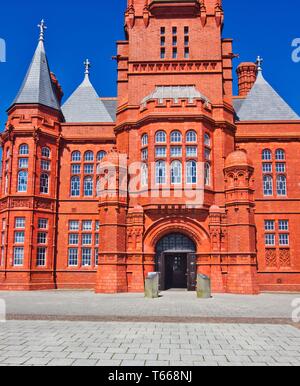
(37, 87)
(84, 105)
(264, 104)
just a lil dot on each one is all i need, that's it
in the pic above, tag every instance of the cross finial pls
(42, 26)
(87, 65)
(259, 62)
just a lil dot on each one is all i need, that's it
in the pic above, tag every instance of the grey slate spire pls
(264, 104)
(37, 86)
(84, 105)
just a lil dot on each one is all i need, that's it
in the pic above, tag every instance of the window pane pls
(87, 225)
(89, 156)
(73, 257)
(87, 239)
(44, 187)
(176, 137)
(42, 223)
(73, 239)
(74, 225)
(160, 172)
(283, 225)
(280, 155)
(207, 174)
(267, 155)
(144, 154)
(76, 169)
(191, 172)
(161, 137)
(191, 137)
(46, 152)
(23, 163)
(86, 257)
(88, 169)
(18, 256)
(176, 151)
(76, 156)
(45, 165)
(281, 186)
(270, 239)
(161, 151)
(284, 239)
(24, 150)
(267, 168)
(101, 155)
(41, 257)
(268, 186)
(88, 187)
(22, 182)
(75, 187)
(280, 168)
(176, 172)
(42, 238)
(145, 140)
(19, 237)
(269, 225)
(20, 223)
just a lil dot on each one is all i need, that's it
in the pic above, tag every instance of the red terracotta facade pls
(108, 241)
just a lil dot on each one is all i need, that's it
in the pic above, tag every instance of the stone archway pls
(176, 261)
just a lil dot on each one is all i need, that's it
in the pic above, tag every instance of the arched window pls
(22, 181)
(101, 155)
(76, 156)
(160, 137)
(267, 155)
(281, 185)
(280, 155)
(88, 186)
(176, 137)
(145, 140)
(144, 175)
(89, 156)
(268, 185)
(44, 184)
(191, 136)
(176, 172)
(207, 140)
(207, 174)
(24, 149)
(160, 177)
(191, 172)
(46, 152)
(75, 186)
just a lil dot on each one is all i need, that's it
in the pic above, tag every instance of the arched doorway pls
(176, 262)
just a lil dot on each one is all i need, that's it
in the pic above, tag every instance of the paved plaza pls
(147, 344)
(171, 306)
(67, 328)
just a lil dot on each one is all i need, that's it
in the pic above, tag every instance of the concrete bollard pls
(203, 287)
(152, 286)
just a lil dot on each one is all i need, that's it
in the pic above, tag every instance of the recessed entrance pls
(176, 262)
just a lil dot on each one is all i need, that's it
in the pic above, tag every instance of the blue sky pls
(77, 30)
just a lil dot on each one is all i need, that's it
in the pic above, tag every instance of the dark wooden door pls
(162, 271)
(191, 272)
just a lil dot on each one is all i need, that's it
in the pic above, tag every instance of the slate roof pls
(37, 87)
(111, 106)
(263, 104)
(176, 93)
(84, 105)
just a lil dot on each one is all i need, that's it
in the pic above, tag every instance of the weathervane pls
(87, 65)
(259, 63)
(42, 26)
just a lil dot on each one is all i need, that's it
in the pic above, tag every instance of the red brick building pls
(174, 175)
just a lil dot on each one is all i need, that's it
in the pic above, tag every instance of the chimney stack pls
(247, 73)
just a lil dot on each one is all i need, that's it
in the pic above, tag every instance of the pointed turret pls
(84, 105)
(37, 87)
(263, 103)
